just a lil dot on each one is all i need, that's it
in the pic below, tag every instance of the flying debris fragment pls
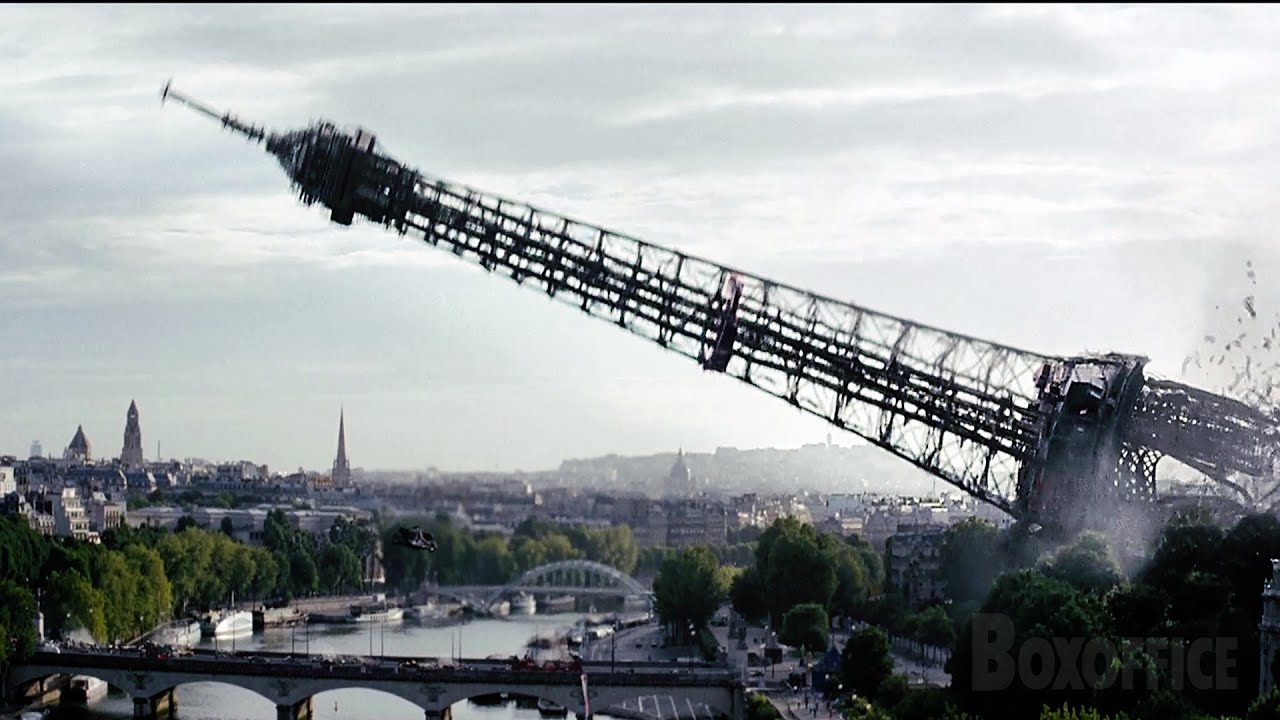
(414, 538)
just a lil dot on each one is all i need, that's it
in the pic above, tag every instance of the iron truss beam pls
(1029, 433)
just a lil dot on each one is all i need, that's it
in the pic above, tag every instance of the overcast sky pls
(1064, 179)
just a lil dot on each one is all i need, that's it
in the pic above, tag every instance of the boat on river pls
(84, 690)
(523, 604)
(546, 708)
(227, 623)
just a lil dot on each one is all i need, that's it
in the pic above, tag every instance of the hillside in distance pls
(819, 467)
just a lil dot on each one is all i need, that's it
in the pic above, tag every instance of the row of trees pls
(466, 558)
(734, 555)
(208, 568)
(188, 500)
(138, 578)
(112, 593)
(796, 578)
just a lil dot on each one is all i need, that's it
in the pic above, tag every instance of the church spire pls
(342, 468)
(131, 454)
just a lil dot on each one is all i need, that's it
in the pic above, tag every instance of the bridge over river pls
(291, 681)
(567, 577)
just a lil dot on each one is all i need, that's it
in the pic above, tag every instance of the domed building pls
(680, 480)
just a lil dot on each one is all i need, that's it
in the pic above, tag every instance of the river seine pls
(478, 639)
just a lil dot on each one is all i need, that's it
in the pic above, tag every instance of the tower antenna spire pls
(253, 132)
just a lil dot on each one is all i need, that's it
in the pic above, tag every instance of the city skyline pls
(338, 467)
(1065, 179)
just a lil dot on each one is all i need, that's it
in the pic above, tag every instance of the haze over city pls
(1057, 178)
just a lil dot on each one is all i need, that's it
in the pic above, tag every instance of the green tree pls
(747, 594)
(23, 553)
(276, 532)
(558, 548)
(970, 561)
(852, 584)
(494, 562)
(359, 536)
(871, 561)
(1067, 712)
(18, 619)
(892, 691)
(337, 568)
(687, 590)
(866, 661)
(888, 611)
(303, 578)
(925, 704)
(1266, 707)
(78, 605)
(1138, 610)
(1024, 605)
(614, 546)
(1088, 564)
(154, 603)
(1246, 553)
(794, 567)
(806, 626)
(934, 628)
(759, 708)
(266, 573)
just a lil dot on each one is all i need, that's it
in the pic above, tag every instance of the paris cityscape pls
(294, 425)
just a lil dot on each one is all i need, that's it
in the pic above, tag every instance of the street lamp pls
(773, 642)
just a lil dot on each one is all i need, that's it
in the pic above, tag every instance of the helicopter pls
(415, 538)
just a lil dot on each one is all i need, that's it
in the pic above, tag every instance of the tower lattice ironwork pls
(1047, 439)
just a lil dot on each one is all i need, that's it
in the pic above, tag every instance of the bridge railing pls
(315, 668)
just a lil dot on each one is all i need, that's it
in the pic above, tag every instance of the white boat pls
(184, 634)
(546, 708)
(376, 613)
(227, 623)
(523, 604)
(85, 689)
(551, 605)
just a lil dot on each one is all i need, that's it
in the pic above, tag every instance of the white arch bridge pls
(567, 577)
(291, 682)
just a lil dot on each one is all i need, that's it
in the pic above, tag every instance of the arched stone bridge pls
(567, 577)
(290, 683)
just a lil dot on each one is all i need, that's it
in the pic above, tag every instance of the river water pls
(477, 639)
